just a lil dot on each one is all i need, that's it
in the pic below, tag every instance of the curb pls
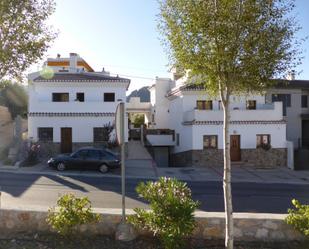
(4, 170)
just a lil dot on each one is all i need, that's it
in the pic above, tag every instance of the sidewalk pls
(145, 168)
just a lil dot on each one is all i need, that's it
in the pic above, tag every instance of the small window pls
(304, 101)
(177, 139)
(45, 134)
(100, 134)
(109, 97)
(262, 139)
(251, 105)
(80, 97)
(204, 104)
(219, 105)
(60, 97)
(152, 118)
(210, 141)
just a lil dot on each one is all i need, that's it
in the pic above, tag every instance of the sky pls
(122, 37)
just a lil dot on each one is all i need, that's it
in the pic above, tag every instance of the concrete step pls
(137, 151)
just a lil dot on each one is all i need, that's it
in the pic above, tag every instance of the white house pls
(186, 127)
(69, 103)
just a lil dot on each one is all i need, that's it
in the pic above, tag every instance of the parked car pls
(87, 158)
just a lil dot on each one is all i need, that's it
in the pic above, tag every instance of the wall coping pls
(197, 214)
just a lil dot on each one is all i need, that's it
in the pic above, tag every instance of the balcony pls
(160, 137)
(264, 112)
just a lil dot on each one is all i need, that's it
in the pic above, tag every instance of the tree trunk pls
(227, 189)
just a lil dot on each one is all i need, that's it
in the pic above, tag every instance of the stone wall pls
(248, 227)
(256, 158)
(260, 158)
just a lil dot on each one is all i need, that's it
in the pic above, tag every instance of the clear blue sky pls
(122, 36)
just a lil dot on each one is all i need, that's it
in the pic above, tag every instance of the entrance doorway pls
(66, 140)
(235, 148)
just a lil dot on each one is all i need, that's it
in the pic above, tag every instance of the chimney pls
(73, 60)
(291, 75)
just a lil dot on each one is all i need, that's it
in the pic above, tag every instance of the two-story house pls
(258, 129)
(69, 104)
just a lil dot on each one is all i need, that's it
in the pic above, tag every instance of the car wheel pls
(103, 168)
(61, 167)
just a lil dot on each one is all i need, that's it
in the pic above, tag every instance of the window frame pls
(83, 96)
(304, 101)
(97, 139)
(54, 99)
(204, 105)
(210, 137)
(249, 106)
(50, 139)
(260, 138)
(105, 98)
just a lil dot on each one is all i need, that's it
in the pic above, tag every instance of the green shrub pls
(69, 213)
(7, 161)
(171, 216)
(299, 217)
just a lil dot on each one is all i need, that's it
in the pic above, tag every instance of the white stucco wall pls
(191, 136)
(247, 134)
(40, 96)
(82, 127)
(160, 103)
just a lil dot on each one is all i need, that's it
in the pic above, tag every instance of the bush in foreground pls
(171, 216)
(69, 213)
(299, 217)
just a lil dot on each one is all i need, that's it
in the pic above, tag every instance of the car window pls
(80, 154)
(94, 154)
(110, 154)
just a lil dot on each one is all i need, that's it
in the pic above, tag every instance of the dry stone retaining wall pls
(248, 227)
(255, 158)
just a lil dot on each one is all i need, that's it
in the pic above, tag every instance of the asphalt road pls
(25, 190)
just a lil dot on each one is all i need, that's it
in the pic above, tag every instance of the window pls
(100, 134)
(304, 101)
(262, 139)
(177, 139)
(152, 118)
(210, 141)
(219, 105)
(45, 134)
(80, 154)
(80, 97)
(251, 104)
(285, 99)
(60, 97)
(94, 154)
(109, 97)
(204, 104)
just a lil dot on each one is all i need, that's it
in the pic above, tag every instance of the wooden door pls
(235, 148)
(66, 140)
